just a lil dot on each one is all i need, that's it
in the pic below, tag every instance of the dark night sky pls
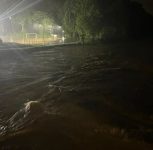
(147, 4)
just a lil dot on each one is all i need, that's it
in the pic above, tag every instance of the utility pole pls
(11, 32)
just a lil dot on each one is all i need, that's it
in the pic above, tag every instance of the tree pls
(69, 21)
(54, 8)
(81, 18)
(30, 18)
(88, 18)
(21, 20)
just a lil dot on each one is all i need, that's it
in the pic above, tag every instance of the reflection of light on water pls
(31, 111)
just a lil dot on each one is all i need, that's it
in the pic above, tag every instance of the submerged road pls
(29, 73)
(90, 84)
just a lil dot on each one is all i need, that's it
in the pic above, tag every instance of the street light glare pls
(8, 9)
(17, 7)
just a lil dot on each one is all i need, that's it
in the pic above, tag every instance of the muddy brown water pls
(89, 91)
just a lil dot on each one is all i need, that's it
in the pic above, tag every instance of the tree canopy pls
(96, 19)
(93, 19)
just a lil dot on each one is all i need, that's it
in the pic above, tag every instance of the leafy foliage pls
(27, 19)
(93, 19)
(81, 18)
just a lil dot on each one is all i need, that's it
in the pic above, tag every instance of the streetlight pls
(63, 37)
(22, 31)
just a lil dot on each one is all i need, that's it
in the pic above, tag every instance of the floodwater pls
(85, 87)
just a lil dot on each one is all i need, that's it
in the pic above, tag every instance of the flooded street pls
(92, 87)
(28, 74)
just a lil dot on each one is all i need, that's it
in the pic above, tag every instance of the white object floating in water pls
(31, 111)
(34, 107)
